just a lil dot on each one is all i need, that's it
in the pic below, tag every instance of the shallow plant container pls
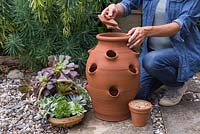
(66, 122)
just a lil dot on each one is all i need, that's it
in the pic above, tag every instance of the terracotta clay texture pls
(140, 110)
(112, 73)
(110, 24)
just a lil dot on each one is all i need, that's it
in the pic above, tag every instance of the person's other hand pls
(137, 35)
(110, 12)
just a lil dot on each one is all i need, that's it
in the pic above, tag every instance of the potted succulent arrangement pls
(60, 99)
(62, 111)
(140, 110)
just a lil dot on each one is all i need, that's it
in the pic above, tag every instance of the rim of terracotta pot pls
(112, 36)
(145, 109)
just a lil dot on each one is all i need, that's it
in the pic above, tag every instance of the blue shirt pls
(186, 42)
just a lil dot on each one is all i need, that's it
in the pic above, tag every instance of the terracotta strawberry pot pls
(140, 111)
(112, 72)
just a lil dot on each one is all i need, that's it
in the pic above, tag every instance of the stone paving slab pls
(92, 125)
(183, 118)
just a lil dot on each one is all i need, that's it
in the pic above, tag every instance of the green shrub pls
(34, 29)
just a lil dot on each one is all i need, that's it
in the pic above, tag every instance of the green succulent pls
(62, 109)
(76, 108)
(58, 106)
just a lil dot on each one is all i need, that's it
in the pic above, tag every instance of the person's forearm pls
(162, 30)
(120, 10)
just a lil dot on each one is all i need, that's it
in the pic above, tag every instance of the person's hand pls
(137, 35)
(108, 15)
(110, 12)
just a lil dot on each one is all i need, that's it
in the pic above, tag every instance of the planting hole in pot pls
(132, 69)
(113, 91)
(135, 52)
(93, 68)
(111, 55)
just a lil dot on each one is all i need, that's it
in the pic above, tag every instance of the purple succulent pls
(59, 68)
(60, 64)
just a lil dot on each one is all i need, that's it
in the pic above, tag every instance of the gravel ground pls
(19, 116)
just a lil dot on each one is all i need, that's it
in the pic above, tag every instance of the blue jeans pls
(157, 68)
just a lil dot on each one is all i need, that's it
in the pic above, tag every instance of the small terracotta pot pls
(140, 110)
(66, 122)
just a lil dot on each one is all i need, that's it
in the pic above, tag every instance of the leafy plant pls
(58, 106)
(60, 64)
(76, 108)
(47, 105)
(40, 28)
(62, 109)
(55, 78)
(77, 98)
(14, 45)
(58, 78)
(63, 87)
(71, 98)
(6, 24)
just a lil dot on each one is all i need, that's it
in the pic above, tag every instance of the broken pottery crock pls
(140, 110)
(112, 72)
(110, 24)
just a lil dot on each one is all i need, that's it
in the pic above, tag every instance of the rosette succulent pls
(58, 106)
(60, 64)
(57, 77)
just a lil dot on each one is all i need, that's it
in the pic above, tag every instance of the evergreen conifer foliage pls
(35, 29)
(6, 24)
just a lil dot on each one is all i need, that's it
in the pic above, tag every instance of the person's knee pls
(149, 62)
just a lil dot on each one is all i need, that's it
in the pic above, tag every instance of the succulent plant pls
(62, 109)
(77, 98)
(61, 64)
(58, 106)
(60, 69)
(76, 108)
(62, 97)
